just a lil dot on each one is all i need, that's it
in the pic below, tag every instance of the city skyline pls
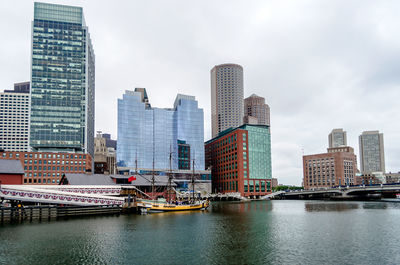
(302, 67)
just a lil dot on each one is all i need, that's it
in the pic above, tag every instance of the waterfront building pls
(147, 134)
(274, 182)
(392, 177)
(240, 161)
(142, 182)
(337, 167)
(226, 97)
(62, 81)
(14, 118)
(11, 172)
(372, 178)
(337, 138)
(372, 153)
(48, 167)
(104, 157)
(256, 111)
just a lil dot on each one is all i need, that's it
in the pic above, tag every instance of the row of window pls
(44, 155)
(39, 181)
(49, 168)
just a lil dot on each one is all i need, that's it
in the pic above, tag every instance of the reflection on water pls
(329, 206)
(259, 232)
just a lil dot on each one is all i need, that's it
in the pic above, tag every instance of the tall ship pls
(172, 202)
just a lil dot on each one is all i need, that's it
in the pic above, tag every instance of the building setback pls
(226, 97)
(62, 81)
(240, 160)
(336, 167)
(48, 168)
(147, 134)
(14, 118)
(372, 152)
(256, 111)
(337, 138)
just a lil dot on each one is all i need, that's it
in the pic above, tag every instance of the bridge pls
(272, 195)
(348, 192)
(66, 195)
(229, 196)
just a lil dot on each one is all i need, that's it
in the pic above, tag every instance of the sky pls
(319, 64)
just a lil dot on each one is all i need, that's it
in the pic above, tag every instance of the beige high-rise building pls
(104, 157)
(226, 97)
(256, 111)
(372, 152)
(337, 138)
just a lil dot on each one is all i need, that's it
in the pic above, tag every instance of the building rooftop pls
(227, 131)
(8, 166)
(101, 179)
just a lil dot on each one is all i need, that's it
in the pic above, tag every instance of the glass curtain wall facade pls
(62, 81)
(259, 151)
(146, 133)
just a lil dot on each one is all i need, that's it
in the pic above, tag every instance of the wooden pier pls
(48, 213)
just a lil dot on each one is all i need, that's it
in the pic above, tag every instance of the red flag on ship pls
(131, 178)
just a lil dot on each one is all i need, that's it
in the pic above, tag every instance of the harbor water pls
(258, 232)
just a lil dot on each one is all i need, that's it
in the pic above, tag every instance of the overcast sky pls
(319, 64)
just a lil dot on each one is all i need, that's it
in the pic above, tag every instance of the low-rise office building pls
(240, 161)
(47, 167)
(337, 167)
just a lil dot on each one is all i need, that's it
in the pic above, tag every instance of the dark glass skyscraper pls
(63, 81)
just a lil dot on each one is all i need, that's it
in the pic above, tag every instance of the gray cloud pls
(319, 64)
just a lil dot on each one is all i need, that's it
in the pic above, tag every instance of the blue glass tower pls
(145, 133)
(63, 81)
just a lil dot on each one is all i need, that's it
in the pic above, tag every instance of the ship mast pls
(193, 181)
(136, 164)
(169, 186)
(152, 182)
(152, 178)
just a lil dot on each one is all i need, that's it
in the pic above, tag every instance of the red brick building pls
(11, 172)
(337, 167)
(47, 167)
(240, 161)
